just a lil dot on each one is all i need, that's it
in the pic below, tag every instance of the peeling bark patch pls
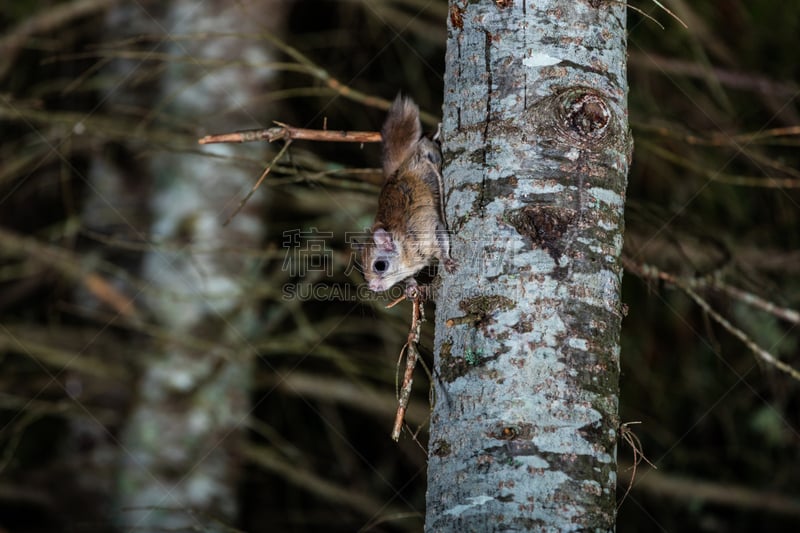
(517, 453)
(538, 59)
(595, 376)
(441, 448)
(457, 17)
(572, 463)
(501, 187)
(452, 367)
(525, 324)
(473, 502)
(482, 307)
(447, 346)
(477, 157)
(596, 432)
(544, 226)
(511, 431)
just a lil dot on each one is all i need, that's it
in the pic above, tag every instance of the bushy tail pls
(400, 133)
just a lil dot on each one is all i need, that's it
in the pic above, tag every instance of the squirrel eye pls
(380, 266)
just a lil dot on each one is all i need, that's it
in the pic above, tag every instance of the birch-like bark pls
(181, 461)
(536, 148)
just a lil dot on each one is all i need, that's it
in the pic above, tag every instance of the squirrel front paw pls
(450, 265)
(413, 290)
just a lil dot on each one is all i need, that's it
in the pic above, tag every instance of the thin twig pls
(324, 76)
(771, 182)
(47, 354)
(395, 302)
(651, 272)
(43, 22)
(670, 13)
(304, 64)
(627, 435)
(789, 315)
(741, 335)
(289, 133)
(698, 491)
(734, 79)
(305, 478)
(411, 353)
(770, 136)
(258, 182)
(642, 12)
(71, 266)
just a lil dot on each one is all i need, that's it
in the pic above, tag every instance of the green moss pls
(473, 358)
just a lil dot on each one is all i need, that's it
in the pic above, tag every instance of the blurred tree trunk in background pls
(536, 148)
(179, 461)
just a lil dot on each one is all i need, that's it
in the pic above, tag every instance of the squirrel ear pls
(383, 240)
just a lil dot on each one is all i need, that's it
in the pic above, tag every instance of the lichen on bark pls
(536, 148)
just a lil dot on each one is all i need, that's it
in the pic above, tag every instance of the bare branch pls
(45, 21)
(410, 349)
(302, 477)
(70, 265)
(651, 272)
(789, 315)
(286, 132)
(628, 436)
(695, 490)
(258, 182)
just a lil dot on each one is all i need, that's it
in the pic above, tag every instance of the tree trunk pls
(181, 459)
(536, 149)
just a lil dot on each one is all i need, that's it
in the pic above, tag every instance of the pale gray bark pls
(180, 460)
(536, 148)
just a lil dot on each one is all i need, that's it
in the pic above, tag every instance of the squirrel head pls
(382, 259)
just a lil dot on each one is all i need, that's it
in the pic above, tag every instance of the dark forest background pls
(713, 209)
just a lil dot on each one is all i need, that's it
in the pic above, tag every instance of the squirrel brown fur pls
(409, 229)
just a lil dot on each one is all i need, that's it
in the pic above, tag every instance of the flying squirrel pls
(410, 229)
